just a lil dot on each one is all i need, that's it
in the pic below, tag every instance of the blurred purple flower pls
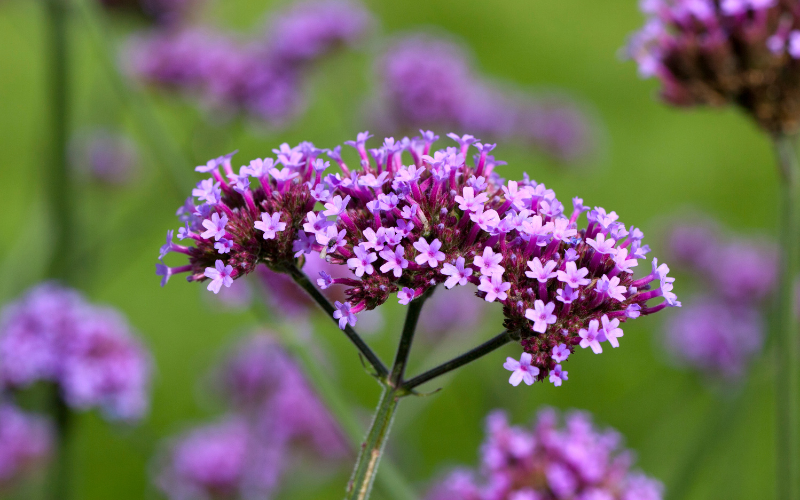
(430, 82)
(715, 336)
(221, 460)
(546, 462)
(53, 334)
(25, 440)
(261, 379)
(261, 76)
(108, 156)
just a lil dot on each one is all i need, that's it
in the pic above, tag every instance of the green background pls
(654, 164)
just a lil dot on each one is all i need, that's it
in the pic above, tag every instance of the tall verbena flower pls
(549, 462)
(25, 441)
(742, 52)
(427, 81)
(260, 76)
(721, 328)
(53, 334)
(405, 227)
(273, 410)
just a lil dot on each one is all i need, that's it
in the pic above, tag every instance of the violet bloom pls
(715, 337)
(25, 441)
(720, 53)
(107, 156)
(260, 77)
(546, 461)
(262, 380)
(53, 334)
(221, 460)
(492, 247)
(431, 82)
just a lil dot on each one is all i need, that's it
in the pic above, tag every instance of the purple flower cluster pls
(108, 156)
(25, 440)
(708, 52)
(430, 82)
(575, 462)
(54, 334)
(246, 454)
(407, 228)
(262, 76)
(719, 331)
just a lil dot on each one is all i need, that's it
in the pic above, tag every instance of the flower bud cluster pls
(548, 462)
(708, 52)
(404, 228)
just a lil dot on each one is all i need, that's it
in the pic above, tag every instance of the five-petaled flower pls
(522, 370)
(270, 224)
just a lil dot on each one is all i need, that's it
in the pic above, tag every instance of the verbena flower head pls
(714, 336)
(221, 460)
(430, 82)
(721, 329)
(261, 379)
(716, 53)
(410, 219)
(53, 334)
(259, 76)
(549, 462)
(25, 441)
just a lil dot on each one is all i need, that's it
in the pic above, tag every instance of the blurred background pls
(134, 141)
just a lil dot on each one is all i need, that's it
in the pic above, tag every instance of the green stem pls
(366, 467)
(404, 348)
(59, 480)
(57, 180)
(788, 455)
(490, 345)
(301, 279)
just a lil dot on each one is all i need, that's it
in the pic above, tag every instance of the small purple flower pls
(602, 245)
(489, 262)
(590, 337)
(458, 275)
(471, 203)
(224, 245)
(567, 294)
(495, 287)
(362, 262)
(336, 206)
(208, 191)
(26, 441)
(270, 224)
(541, 315)
(326, 281)
(395, 261)
(522, 370)
(558, 376)
(611, 288)
(219, 275)
(406, 295)
(573, 276)
(610, 330)
(560, 353)
(429, 253)
(215, 227)
(344, 315)
(539, 272)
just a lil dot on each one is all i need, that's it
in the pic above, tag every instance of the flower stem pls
(59, 480)
(57, 180)
(366, 467)
(490, 345)
(788, 455)
(301, 279)
(404, 347)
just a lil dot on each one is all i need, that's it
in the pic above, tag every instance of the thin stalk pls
(57, 180)
(404, 347)
(490, 345)
(301, 279)
(366, 467)
(788, 455)
(59, 480)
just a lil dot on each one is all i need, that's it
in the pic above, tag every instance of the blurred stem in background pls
(59, 196)
(57, 179)
(788, 455)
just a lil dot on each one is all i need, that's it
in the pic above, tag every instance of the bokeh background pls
(654, 164)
